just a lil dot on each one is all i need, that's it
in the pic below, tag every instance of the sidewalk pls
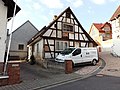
(112, 67)
(34, 77)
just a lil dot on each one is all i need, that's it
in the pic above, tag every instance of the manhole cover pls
(112, 70)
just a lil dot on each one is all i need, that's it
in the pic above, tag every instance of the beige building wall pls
(94, 33)
(105, 45)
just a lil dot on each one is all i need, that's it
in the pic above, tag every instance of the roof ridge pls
(116, 13)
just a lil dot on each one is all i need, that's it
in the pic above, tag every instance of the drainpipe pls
(9, 43)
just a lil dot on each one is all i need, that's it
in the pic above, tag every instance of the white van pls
(79, 55)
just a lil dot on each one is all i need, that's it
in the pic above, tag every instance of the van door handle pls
(81, 55)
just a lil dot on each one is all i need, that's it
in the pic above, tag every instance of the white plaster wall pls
(38, 55)
(116, 41)
(116, 47)
(76, 44)
(29, 51)
(3, 31)
(115, 28)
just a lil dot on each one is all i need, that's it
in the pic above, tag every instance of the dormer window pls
(67, 27)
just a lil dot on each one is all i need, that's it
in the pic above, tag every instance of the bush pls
(32, 60)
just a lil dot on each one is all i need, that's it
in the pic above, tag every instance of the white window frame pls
(61, 45)
(67, 28)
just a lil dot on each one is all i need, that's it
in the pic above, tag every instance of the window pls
(76, 52)
(67, 27)
(37, 48)
(61, 45)
(57, 45)
(107, 35)
(106, 29)
(68, 15)
(20, 46)
(67, 51)
(65, 45)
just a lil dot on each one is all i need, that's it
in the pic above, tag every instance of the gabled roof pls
(11, 4)
(24, 24)
(116, 14)
(105, 24)
(44, 29)
(99, 26)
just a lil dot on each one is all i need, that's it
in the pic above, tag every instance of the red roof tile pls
(98, 26)
(116, 14)
(105, 24)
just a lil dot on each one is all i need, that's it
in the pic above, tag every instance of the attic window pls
(20, 46)
(67, 27)
(106, 28)
(68, 15)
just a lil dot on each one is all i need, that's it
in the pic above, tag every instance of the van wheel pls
(94, 62)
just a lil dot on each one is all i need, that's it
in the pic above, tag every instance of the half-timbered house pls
(64, 31)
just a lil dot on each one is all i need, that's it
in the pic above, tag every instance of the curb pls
(94, 72)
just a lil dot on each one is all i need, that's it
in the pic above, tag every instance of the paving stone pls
(112, 63)
(33, 76)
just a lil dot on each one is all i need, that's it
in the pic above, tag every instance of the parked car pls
(79, 55)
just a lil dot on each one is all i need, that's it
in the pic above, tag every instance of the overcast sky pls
(41, 12)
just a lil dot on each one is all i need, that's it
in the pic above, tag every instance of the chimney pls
(55, 17)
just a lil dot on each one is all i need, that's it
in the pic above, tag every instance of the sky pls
(41, 12)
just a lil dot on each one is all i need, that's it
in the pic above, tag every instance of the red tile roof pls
(99, 26)
(116, 14)
(105, 24)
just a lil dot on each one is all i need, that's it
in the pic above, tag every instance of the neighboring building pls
(6, 12)
(64, 31)
(20, 37)
(102, 34)
(115, 21)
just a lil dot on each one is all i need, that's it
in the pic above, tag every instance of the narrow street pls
(99, 77)
(107, 79)
(92, 83)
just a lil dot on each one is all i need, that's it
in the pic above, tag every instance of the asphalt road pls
(92, 83)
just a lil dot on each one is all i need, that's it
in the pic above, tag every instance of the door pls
(76, 56)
